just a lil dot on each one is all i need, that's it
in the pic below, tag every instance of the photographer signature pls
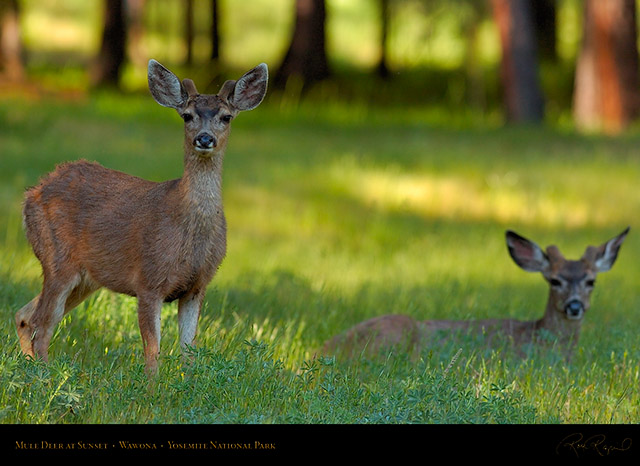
(577, 443)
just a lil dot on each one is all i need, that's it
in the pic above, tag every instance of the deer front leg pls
(149, 310)
(188, 315)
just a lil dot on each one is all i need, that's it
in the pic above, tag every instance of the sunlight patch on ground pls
(451, 196)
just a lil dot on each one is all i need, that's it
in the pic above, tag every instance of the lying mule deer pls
(570, 286)
(92, 227)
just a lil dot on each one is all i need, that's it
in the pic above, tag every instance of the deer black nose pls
(205, 141)
(574, 309)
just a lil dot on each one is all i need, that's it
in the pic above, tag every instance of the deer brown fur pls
(570, 287)
(93, 227)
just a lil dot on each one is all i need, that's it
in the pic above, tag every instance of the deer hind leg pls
(27, 322)
(25, 329)
(36, 327)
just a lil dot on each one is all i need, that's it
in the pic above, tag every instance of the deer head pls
(207, 117)
(570, 282)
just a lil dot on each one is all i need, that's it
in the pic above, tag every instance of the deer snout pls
(574, 309)
(205, 142)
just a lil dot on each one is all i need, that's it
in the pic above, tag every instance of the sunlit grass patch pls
(498, 197)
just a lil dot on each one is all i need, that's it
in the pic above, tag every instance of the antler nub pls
(190, 87)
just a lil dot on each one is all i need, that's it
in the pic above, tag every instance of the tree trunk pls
(544, 25)
(188, 30)
(606, 93)
(11, 59)
(383, 67)
(215, 32)
(523, 99)
(306, 57)
(106, 69)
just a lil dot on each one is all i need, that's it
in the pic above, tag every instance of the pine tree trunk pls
(106, 69)
(523, 99)
(188, 31)
(306, 57)
(383, 66)
(11, 59)
(607, 86)
(544, 25)
(215, 32)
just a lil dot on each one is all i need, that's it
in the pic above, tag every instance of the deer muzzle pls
(205, 142)
(574, 309)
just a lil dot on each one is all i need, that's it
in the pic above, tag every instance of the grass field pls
(336, 213)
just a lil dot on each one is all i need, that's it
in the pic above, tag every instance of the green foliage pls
(249, 386)
(337, 212)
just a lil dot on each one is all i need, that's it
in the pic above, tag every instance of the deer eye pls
(555, 282)
(590, 283)
(187, 117)
(226, 118)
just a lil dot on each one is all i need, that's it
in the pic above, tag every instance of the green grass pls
(337, 212)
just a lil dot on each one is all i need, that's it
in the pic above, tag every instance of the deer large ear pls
(247, 92)
(607, 253)
(165, 86)
(526, 254)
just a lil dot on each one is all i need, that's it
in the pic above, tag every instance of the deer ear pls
(607, 253)
(247, 92)
(526, 254)
(165, 86)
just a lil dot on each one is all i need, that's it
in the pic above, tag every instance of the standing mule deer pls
(570, 286)
(92, 227)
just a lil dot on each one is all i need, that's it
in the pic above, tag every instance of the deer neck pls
(555, 323)
(201, 184)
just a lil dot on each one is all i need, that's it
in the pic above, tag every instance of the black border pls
(304, 442)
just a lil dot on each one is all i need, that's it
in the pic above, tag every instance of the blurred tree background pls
(530, 61)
